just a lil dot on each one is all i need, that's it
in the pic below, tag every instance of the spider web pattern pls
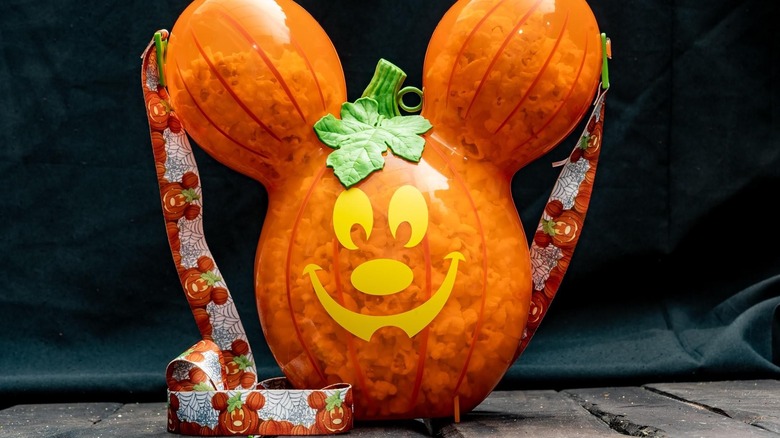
(195, 406)
(152, 77)
(181, 370)
(211, 365)
(568, 184)
(288, 405)
(543, 261)
(193, 242)
(180, 158)
(226, 324)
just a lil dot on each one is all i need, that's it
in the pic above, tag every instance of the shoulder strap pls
(213, 386)
(561, 224)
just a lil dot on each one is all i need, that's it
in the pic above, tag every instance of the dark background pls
(675, 279)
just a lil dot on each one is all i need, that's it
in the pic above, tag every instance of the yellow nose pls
(382, 277)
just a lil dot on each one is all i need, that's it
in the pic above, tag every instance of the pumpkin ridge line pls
(311, 70)
(211, 121)
(256, 46)
(350, 339)
(463, 49)
(480, 318)
(538, 75)
(228, 89)
(558, 110)
(498, 53)
(288, 262)
(423, 349)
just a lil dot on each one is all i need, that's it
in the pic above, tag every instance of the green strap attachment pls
(160, 46)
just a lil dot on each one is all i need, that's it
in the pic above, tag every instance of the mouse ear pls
(248, 79)
(507, 80)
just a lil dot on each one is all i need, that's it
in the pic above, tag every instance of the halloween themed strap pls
(213, 387)
(561, 224)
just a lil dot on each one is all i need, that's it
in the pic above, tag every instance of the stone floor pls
(747, 408)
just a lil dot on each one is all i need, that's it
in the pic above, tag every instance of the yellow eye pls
(352, 208)
(408, 205)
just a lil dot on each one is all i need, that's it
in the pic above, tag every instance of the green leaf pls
(406, 132)
(235, 402)
(186, 353)
(584, 142)
(210, 277)
(415, 124)
(190, 195)
(202, 386)
(355, 160)
(243, 362)
(548, 227)
(329, 130)
(363, 135)
(364, 110)
(333, 401)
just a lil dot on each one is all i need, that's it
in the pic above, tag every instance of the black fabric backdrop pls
(677, 276)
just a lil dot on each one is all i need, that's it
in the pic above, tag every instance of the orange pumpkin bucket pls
(392, 256)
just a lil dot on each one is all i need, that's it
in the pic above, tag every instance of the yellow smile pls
(411, 321)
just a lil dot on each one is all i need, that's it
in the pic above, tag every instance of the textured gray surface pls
(707, 409)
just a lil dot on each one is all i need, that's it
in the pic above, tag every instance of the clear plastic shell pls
(414, 285)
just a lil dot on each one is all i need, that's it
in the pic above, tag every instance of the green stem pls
(384, 87)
